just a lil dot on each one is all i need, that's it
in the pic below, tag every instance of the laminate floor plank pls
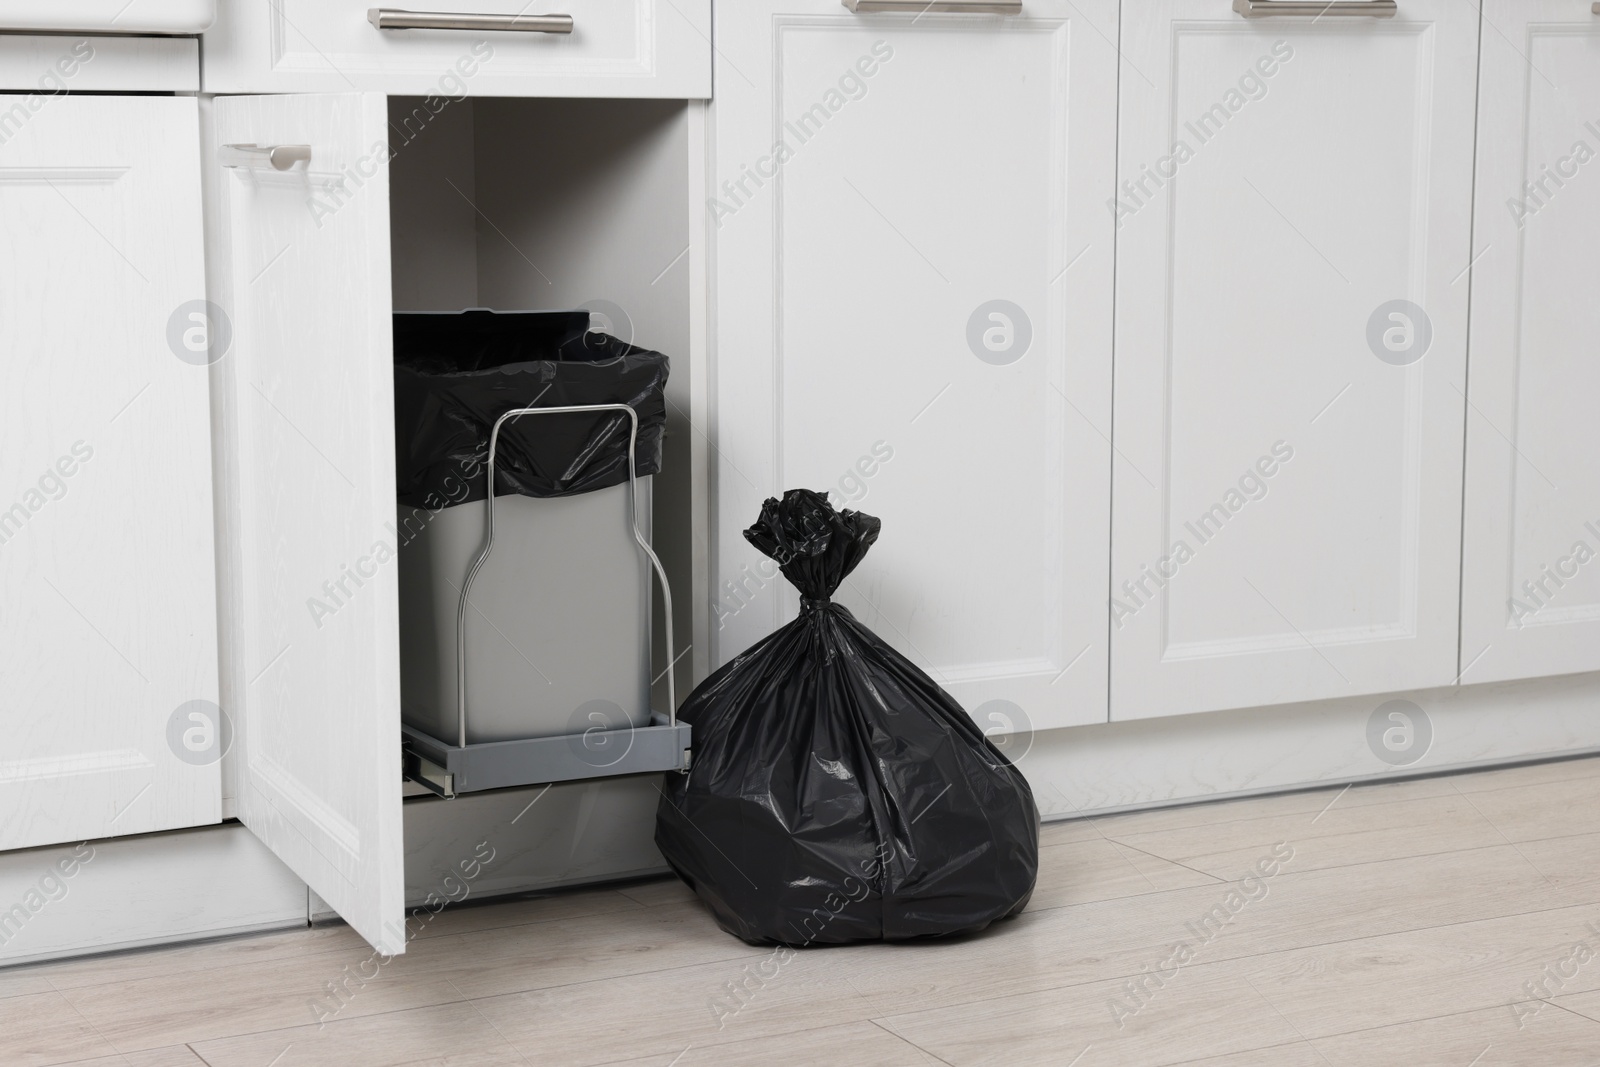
(1401, 922)
(664, 891)
(1492, 1037)
(1308, 802)
(1083, 871)
(856, 1044)
(448, 1035)
(1336, 836)
(183, 1006)
(1205, 1010)
(1539, 811)
(1372, 982)
(171, 1056)
(40, 1029)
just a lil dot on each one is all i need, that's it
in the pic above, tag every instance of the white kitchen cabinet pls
(615, 48)
(311, 474)
(107, 584)
(912, 311)
(1531, 583)
(1287, 481)
(458, 210)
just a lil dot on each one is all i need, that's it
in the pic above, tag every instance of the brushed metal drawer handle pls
(276, 156)
(917, 7)
(1372, 9)
(389, 18)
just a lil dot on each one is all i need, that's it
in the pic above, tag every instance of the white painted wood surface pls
(1146, 763)
(930, 165)
(107, 587)
(1531, 549)
(50, 65)
(151, 890)
(655, 48)
(108, 16)
(1280, 181)
(313, 616)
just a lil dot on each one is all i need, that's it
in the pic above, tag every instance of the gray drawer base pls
(451, 769)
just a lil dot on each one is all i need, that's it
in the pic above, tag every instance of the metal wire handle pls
(276, 156)
(1372, 9)
(488, 543)
(388, 18)
(919, 7)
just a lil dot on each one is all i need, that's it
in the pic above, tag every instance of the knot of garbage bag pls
(815, 546)
(809, 604)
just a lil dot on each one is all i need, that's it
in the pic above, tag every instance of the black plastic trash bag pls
(837, 794)
(454, 374)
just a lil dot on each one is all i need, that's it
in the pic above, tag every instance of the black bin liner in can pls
(837, 794)
(456, 373)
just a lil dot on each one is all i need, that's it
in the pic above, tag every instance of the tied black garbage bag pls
(837, 793)
(454, 374)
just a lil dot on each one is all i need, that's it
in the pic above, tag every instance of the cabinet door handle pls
(276, 156)
(917, 7)
(1372, 9)
(389, 18)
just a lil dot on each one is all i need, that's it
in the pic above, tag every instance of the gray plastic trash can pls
(558, 631)
(560, 421)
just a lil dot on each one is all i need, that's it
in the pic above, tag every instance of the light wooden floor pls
(1407, 928)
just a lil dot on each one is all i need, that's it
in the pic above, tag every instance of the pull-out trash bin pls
(526, 616)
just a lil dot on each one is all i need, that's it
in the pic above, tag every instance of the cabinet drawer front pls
(48, 65)
(1286, 516)
(1531, 585)
(639, 48)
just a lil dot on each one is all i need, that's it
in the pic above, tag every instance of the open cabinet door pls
(306, 452)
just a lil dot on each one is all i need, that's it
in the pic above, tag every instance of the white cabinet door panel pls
(617, 48)
(930, 166)
(1287, 492)
(1531, 586)
(107, 582)
(311, 616)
